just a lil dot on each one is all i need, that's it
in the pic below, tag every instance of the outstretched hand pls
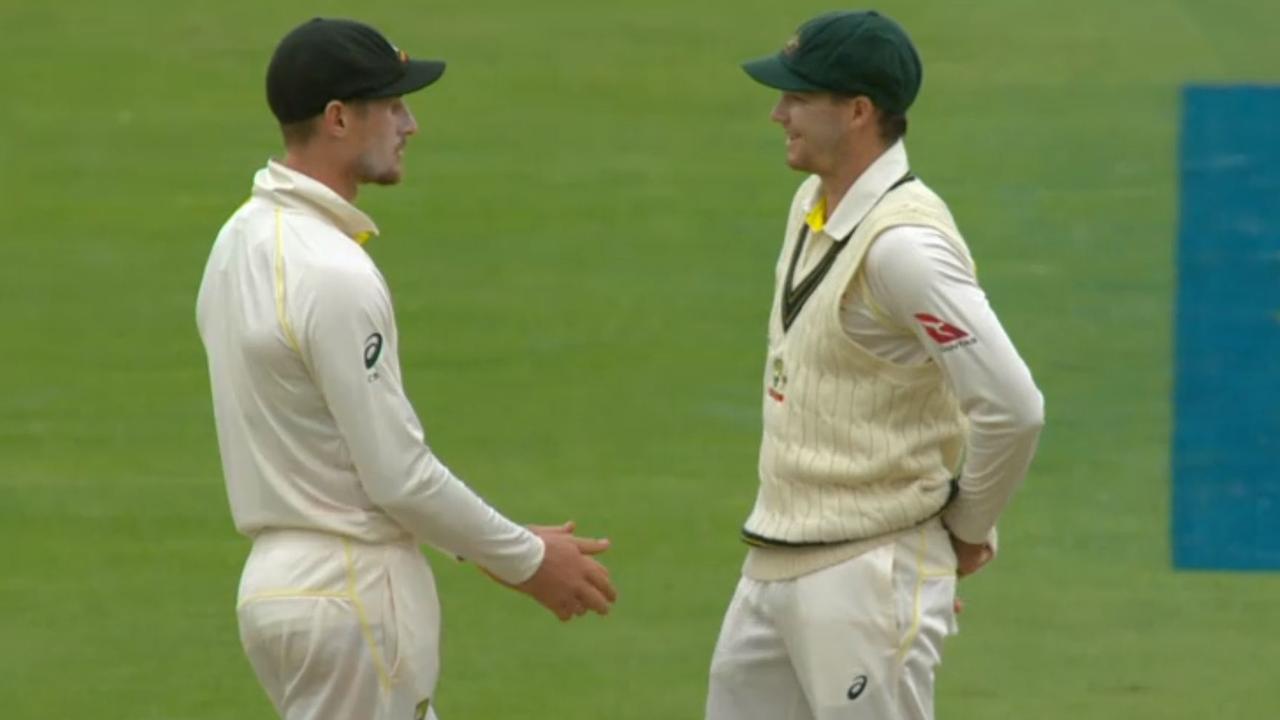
(588, 546)
(569, 582)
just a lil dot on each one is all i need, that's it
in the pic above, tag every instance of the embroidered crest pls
(778, 381)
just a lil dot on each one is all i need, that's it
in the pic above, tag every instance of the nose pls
(411, 122)
(777, 114)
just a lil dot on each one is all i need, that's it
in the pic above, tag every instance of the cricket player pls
(325, 461)
(898, 417)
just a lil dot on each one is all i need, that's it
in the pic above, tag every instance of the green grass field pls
(581, 258)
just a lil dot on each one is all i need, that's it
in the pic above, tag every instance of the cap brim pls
(771, 71)
(418, 74)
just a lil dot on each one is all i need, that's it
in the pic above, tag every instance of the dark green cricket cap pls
(849, 53)
(326, 59)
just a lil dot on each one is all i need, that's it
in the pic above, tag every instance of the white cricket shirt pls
(314, 429)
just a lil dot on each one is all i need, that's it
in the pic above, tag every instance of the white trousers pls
(856, 641)
(340, 630)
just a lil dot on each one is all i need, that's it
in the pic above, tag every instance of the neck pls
(836, 182)
(324, 171)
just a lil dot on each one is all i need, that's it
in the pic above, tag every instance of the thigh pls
(360, 640)
(751, 674)
(410, 618)
(925, 584)
(843, 637)
(311, 657)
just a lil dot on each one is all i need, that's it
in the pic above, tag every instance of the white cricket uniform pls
(326, 465)
(892, 372)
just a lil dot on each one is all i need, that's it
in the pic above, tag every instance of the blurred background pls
(581, 258)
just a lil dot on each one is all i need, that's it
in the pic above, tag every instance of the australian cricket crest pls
(777, 379)
(792, 46)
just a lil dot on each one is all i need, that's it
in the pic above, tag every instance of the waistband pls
(323, 538)
(771, 562)
(308, 563)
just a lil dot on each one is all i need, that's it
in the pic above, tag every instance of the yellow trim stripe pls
(281, 313)
(915, 612)
(379, 663)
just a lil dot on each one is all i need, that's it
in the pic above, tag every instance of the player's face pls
(383, 129)
(818, 130)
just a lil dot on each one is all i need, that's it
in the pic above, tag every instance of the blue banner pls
(1226, 438)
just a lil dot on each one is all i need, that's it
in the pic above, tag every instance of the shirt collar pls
(292, 189)
(865, 192)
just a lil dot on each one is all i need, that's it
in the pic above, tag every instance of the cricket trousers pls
(859, 640)
(337, 629)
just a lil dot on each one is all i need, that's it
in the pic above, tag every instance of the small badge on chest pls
(778, 380)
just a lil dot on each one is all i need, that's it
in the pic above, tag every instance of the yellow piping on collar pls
(364, 237)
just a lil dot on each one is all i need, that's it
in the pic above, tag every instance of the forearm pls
(998, 457)
(408, 481)
(441, 510)
(925, 282)
(385, 441)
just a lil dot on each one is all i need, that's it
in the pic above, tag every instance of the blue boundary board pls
(1226, 436)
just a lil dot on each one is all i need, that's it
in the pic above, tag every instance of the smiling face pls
(828, 135)
(379, 133)
(818, 129)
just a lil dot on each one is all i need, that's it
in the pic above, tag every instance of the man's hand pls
(588, 546)
(971, 557)
(569, 582)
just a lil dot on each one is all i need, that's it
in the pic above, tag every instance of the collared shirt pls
(314, 428)
(918, 300)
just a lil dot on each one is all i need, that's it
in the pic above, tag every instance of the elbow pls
(384, 494)
(1018, 414)
(409, 485)
(1028, 416)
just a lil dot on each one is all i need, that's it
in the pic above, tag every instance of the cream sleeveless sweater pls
(855, 448)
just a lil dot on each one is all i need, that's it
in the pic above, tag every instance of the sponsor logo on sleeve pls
(944, 333)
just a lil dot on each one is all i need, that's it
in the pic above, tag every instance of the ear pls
(335, 120)
(864, 111)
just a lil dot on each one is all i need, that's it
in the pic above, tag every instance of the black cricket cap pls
(850, 53)
(325, 59)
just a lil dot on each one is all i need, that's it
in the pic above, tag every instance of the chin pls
(379, 172)
(386, 177)
(798, 164)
